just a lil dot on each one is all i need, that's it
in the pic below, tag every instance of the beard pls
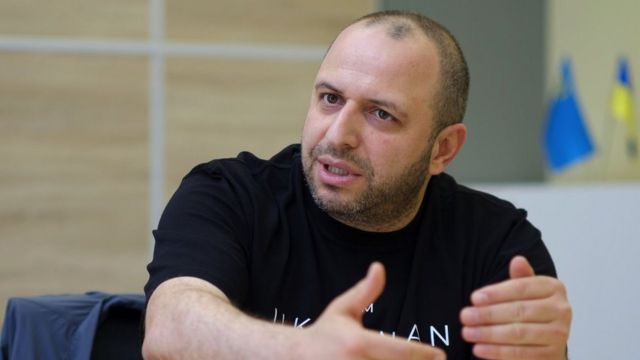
(384, 204)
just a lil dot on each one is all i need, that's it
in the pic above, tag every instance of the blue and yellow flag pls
(622, 106)
(566, 139)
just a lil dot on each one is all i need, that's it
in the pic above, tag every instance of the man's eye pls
(331, 98)
(383, 115)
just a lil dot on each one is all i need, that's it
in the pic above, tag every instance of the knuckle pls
(511, 352)
(528, 352)
(520, 311)
(519, 352)
(518, 332)
(531, 353)
(560, 334)
(564, 310)
(558, 287)
(522, 287)
(485, 315)
(545, 352)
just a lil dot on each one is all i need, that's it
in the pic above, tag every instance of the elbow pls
(156, 346)
(150, 349)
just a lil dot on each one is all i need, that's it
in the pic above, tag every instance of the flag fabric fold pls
(621, 106)
(566, 137)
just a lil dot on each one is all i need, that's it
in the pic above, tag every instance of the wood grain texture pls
(73, 185)
(217, 108)
(74, 133)
(272, 21)
(75, 18)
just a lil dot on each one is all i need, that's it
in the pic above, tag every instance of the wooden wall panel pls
(73, 128)
(73, 184)
(272, 21)
(74, 18)
(217, 108)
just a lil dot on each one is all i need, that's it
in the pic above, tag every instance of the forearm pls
(198, 322)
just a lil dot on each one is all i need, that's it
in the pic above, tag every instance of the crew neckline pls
(341, 233)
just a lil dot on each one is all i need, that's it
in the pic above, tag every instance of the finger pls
(519, 267)
(499, 352)
(516, 334)
(383, 347)
(529, 288)
(541, 310)
(358, 297)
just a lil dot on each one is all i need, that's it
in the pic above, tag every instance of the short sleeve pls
(522, 238)
(202, 233)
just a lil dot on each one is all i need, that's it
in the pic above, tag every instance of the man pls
(260, 259)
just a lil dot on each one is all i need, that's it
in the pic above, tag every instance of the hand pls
(525, 317)
(338, 333)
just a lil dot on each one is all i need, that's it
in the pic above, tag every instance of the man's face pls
(366, 140)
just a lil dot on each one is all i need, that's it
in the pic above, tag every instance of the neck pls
(400, 218)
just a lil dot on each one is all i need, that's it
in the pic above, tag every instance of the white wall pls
(593, 231)
(593, 234)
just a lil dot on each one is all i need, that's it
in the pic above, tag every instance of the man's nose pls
(345, 128)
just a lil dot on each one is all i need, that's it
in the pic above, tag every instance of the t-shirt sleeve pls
(521, 238)
(202, 233)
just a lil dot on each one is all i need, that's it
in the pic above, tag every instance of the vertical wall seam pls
(156, 95)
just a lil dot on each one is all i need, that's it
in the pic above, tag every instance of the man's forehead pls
(365, 63)
(376, 45)
(398, 29)
(394, 35)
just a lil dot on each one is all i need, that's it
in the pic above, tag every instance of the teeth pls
(337, 171)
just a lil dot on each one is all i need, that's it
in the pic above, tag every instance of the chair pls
(94, 325)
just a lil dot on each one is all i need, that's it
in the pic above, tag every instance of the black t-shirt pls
(251, 228)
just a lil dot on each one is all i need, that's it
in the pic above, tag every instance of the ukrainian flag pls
(622, 106)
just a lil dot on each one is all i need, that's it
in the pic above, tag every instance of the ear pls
(446, 147)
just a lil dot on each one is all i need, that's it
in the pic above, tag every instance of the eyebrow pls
(384, 103)
(324, 84)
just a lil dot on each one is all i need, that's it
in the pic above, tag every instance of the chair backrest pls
(119, 335)
(94, 325)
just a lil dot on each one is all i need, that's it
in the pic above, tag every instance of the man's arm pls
(524, 317)
(192, 319)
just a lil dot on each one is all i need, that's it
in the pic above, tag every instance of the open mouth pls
(337, 173)
(336, 170)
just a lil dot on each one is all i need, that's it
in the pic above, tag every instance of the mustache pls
(342, 154)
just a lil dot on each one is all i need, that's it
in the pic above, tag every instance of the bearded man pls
(355, 244)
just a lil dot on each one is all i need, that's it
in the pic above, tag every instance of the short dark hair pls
(451, 98)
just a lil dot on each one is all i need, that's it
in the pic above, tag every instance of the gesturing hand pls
(338, 333)
(525, 317)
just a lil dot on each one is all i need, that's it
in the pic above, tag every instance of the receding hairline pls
(397, 27)
(453, 72)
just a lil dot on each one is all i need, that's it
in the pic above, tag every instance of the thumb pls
(353, 301)
(520, 267)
